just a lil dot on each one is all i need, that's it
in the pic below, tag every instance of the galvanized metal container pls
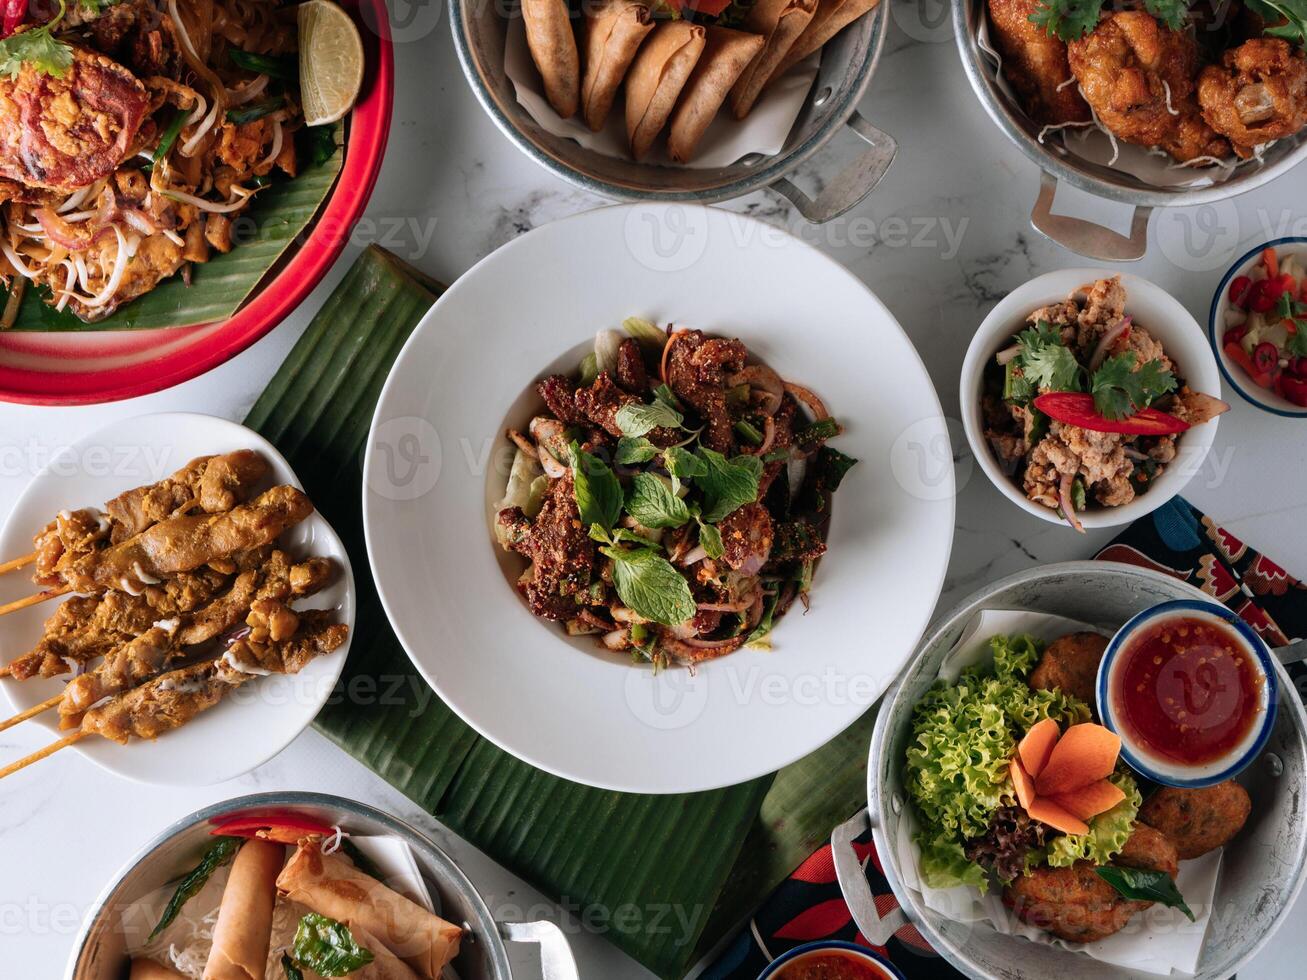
(1263, 867)
(99, 953)
(847, 65)
(1058, 164)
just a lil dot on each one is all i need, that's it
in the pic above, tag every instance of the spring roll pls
(780, 22)
(553, 49)
(150, 970)
(832, 16)
(656, 79)
(244, 929)
(330, 885)
(725, 56)
(614, 30)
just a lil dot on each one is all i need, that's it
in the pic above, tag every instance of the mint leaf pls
(596, 489)
(648, 584)
(652, 504)
(1120, 390)
(665, 395)
(682, 464)
(327, 947)
(760, 639)
(711, 539)
(635, 450)
(1145, 885)
(638, 419)
(727, 484)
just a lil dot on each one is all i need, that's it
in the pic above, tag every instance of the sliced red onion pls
(1107, 340)
(810, 400)
(725, 607)
(768, 437)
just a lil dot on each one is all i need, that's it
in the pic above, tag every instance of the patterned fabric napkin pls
(1177, 540)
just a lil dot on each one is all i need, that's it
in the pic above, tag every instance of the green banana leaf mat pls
(690, 866)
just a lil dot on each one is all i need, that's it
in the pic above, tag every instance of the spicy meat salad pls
(1084, 407)
(672, 497)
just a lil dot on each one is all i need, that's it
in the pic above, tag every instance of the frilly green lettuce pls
(963, 736)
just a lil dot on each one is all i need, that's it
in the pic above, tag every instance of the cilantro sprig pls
(1287, 17)
(1071, 20)
(37, 47)
(1120, 390)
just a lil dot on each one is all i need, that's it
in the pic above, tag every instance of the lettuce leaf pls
(963, 736)
(1108, 831)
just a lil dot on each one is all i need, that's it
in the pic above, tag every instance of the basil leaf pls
(652, 504)
(638, 419)
(596, 489)
(1145, 885)
(219, 853)
(288, 967)
(758, 639)
(727, 484)
(327, 948)
(637, 450)
(711, 539)
(648, 584)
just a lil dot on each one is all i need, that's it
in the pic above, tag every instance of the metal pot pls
(1057, 163)
(99, 952)
(1264, 866)
(847, 63)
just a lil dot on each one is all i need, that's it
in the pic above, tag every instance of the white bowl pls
(559, 702)
(255, 722)
(1247, 388)
(1154, 309)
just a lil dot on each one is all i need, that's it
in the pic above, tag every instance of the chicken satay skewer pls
(172, 699)
(178, 544)
(16, 563)
(31, 712)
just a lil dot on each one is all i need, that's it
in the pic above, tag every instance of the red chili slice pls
(1074, 408)
(1239, 287)
(1234, 335)
(285, 828)
(14, 13)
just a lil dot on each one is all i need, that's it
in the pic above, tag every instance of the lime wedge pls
(331, 61)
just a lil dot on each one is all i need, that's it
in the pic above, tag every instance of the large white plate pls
(255, 722)
(430, 475)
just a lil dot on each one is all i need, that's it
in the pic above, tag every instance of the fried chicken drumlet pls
(1257, 94)
(60, 134)
(1138, 76)
(1035, 64)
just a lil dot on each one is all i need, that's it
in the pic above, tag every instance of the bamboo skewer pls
(31, 600)
(32, 712)
(17, 563)
(40, 754)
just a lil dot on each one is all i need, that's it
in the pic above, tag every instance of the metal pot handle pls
(556, 962)
(853, 883)
(1085, 237)
(854, 183)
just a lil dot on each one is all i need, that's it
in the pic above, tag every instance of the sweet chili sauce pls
(1188, 689)
(831, 964)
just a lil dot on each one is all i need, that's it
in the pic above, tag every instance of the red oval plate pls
(85, 368)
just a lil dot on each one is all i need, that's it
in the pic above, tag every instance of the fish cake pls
(1149, 849)
(1198, 820)
(1072, 903)
(64, 133)
(1070, 665)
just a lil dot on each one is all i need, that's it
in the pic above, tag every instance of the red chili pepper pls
(12, 16)
(1234, 335)
(1074, 408)
(1258, 300)
(1266, 356)
(709, 8)
(1237, 354)
(1239, 287)
(285, 828)
(1294, 390)
(1271, 261)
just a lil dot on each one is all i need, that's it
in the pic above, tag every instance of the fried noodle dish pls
(132, 134)
(1207, 84)
(673, 497)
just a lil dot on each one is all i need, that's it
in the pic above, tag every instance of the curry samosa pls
(553, 49)
(725, 56)
(657, 78)
(614, 30)
(780, 22)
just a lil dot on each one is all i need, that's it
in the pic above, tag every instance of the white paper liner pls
(727, 140)
(184, 945)
(1155, 941)
(1092, 144)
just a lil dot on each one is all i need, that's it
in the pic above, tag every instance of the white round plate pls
(253, 723)
(436, 460)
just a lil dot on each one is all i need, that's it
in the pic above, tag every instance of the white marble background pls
(942, 239)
